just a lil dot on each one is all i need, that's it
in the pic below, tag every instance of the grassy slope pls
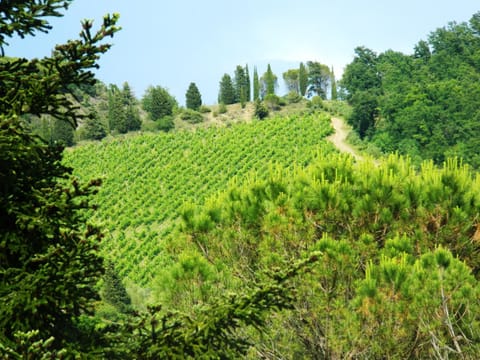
(148, 177)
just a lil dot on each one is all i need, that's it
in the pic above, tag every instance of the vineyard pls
(148, 178)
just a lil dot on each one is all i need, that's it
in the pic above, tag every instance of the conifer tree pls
(248, 83)
(158, 102)
(94, 129)
(269, 82)
(256, 85)
(302, 79)
(49, 253)
(333, 84)
(226, 94)
(193, 97)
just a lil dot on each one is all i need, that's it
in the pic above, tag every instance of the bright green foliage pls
(48, 252)
(158, 103)
(291, 80)
(193, 97)
(191, 116)
(256, 85)
(425, 104)
(226, 94)
(269, 83)
(302, 79)
(147, 178)
(400, 265)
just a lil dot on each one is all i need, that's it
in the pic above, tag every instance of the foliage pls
(226, 94)
(424, 104)
(49, 253)
(319, 78)
(113, 291)
(302, 79)
(123, 114)
(333, 86)
(261, 110)
(242, 85)
(150, 176)
(191, 116)
(94, 129)
(268, 83)
(158, 103)
(193, 97)
(400, 265)
(291, 80)
(256, 85)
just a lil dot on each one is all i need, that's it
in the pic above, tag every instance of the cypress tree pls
(270, 80)
(193, 97)
(248, 83)
(302, 79)
(256, 85)
(333, 84)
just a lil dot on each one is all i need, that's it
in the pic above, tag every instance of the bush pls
(165, 123)
(204, 109)
(292, 98)
(261, 111)
(316, 103)
(191, 116)
(222, 108)
(272, 102)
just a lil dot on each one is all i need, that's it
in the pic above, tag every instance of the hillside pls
(147, 178)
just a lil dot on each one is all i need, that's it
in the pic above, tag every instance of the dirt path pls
(339, 138)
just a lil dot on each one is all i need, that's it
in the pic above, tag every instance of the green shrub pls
(191, 116)
(204, 109)
(261, 111)
(222, 108)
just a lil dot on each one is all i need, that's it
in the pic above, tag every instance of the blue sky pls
(173, 43)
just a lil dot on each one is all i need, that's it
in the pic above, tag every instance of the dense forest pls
(251, 239)
(424, 105)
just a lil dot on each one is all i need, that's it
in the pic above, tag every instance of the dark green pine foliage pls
(248, 83)
(333, 85)
(241, 84)
(302, 79)
(49, 257)
(256, 85)
(117, 119)
(193, 97)
(158, 103)
(63, 133)
(94, 128)
(114, 291)
(226, 94)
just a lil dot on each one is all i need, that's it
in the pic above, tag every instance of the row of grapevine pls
(148, 178)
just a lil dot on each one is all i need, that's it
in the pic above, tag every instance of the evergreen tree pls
(193, 97)
(63, 133)
(226, 94)
(94, 129)
(242, 84)
(248, 83)
(333, 85)
(269, 82)
(256, 85)
(50, 263)
(302, 79)
(114, 291)
(117, 119)
(158, 102)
